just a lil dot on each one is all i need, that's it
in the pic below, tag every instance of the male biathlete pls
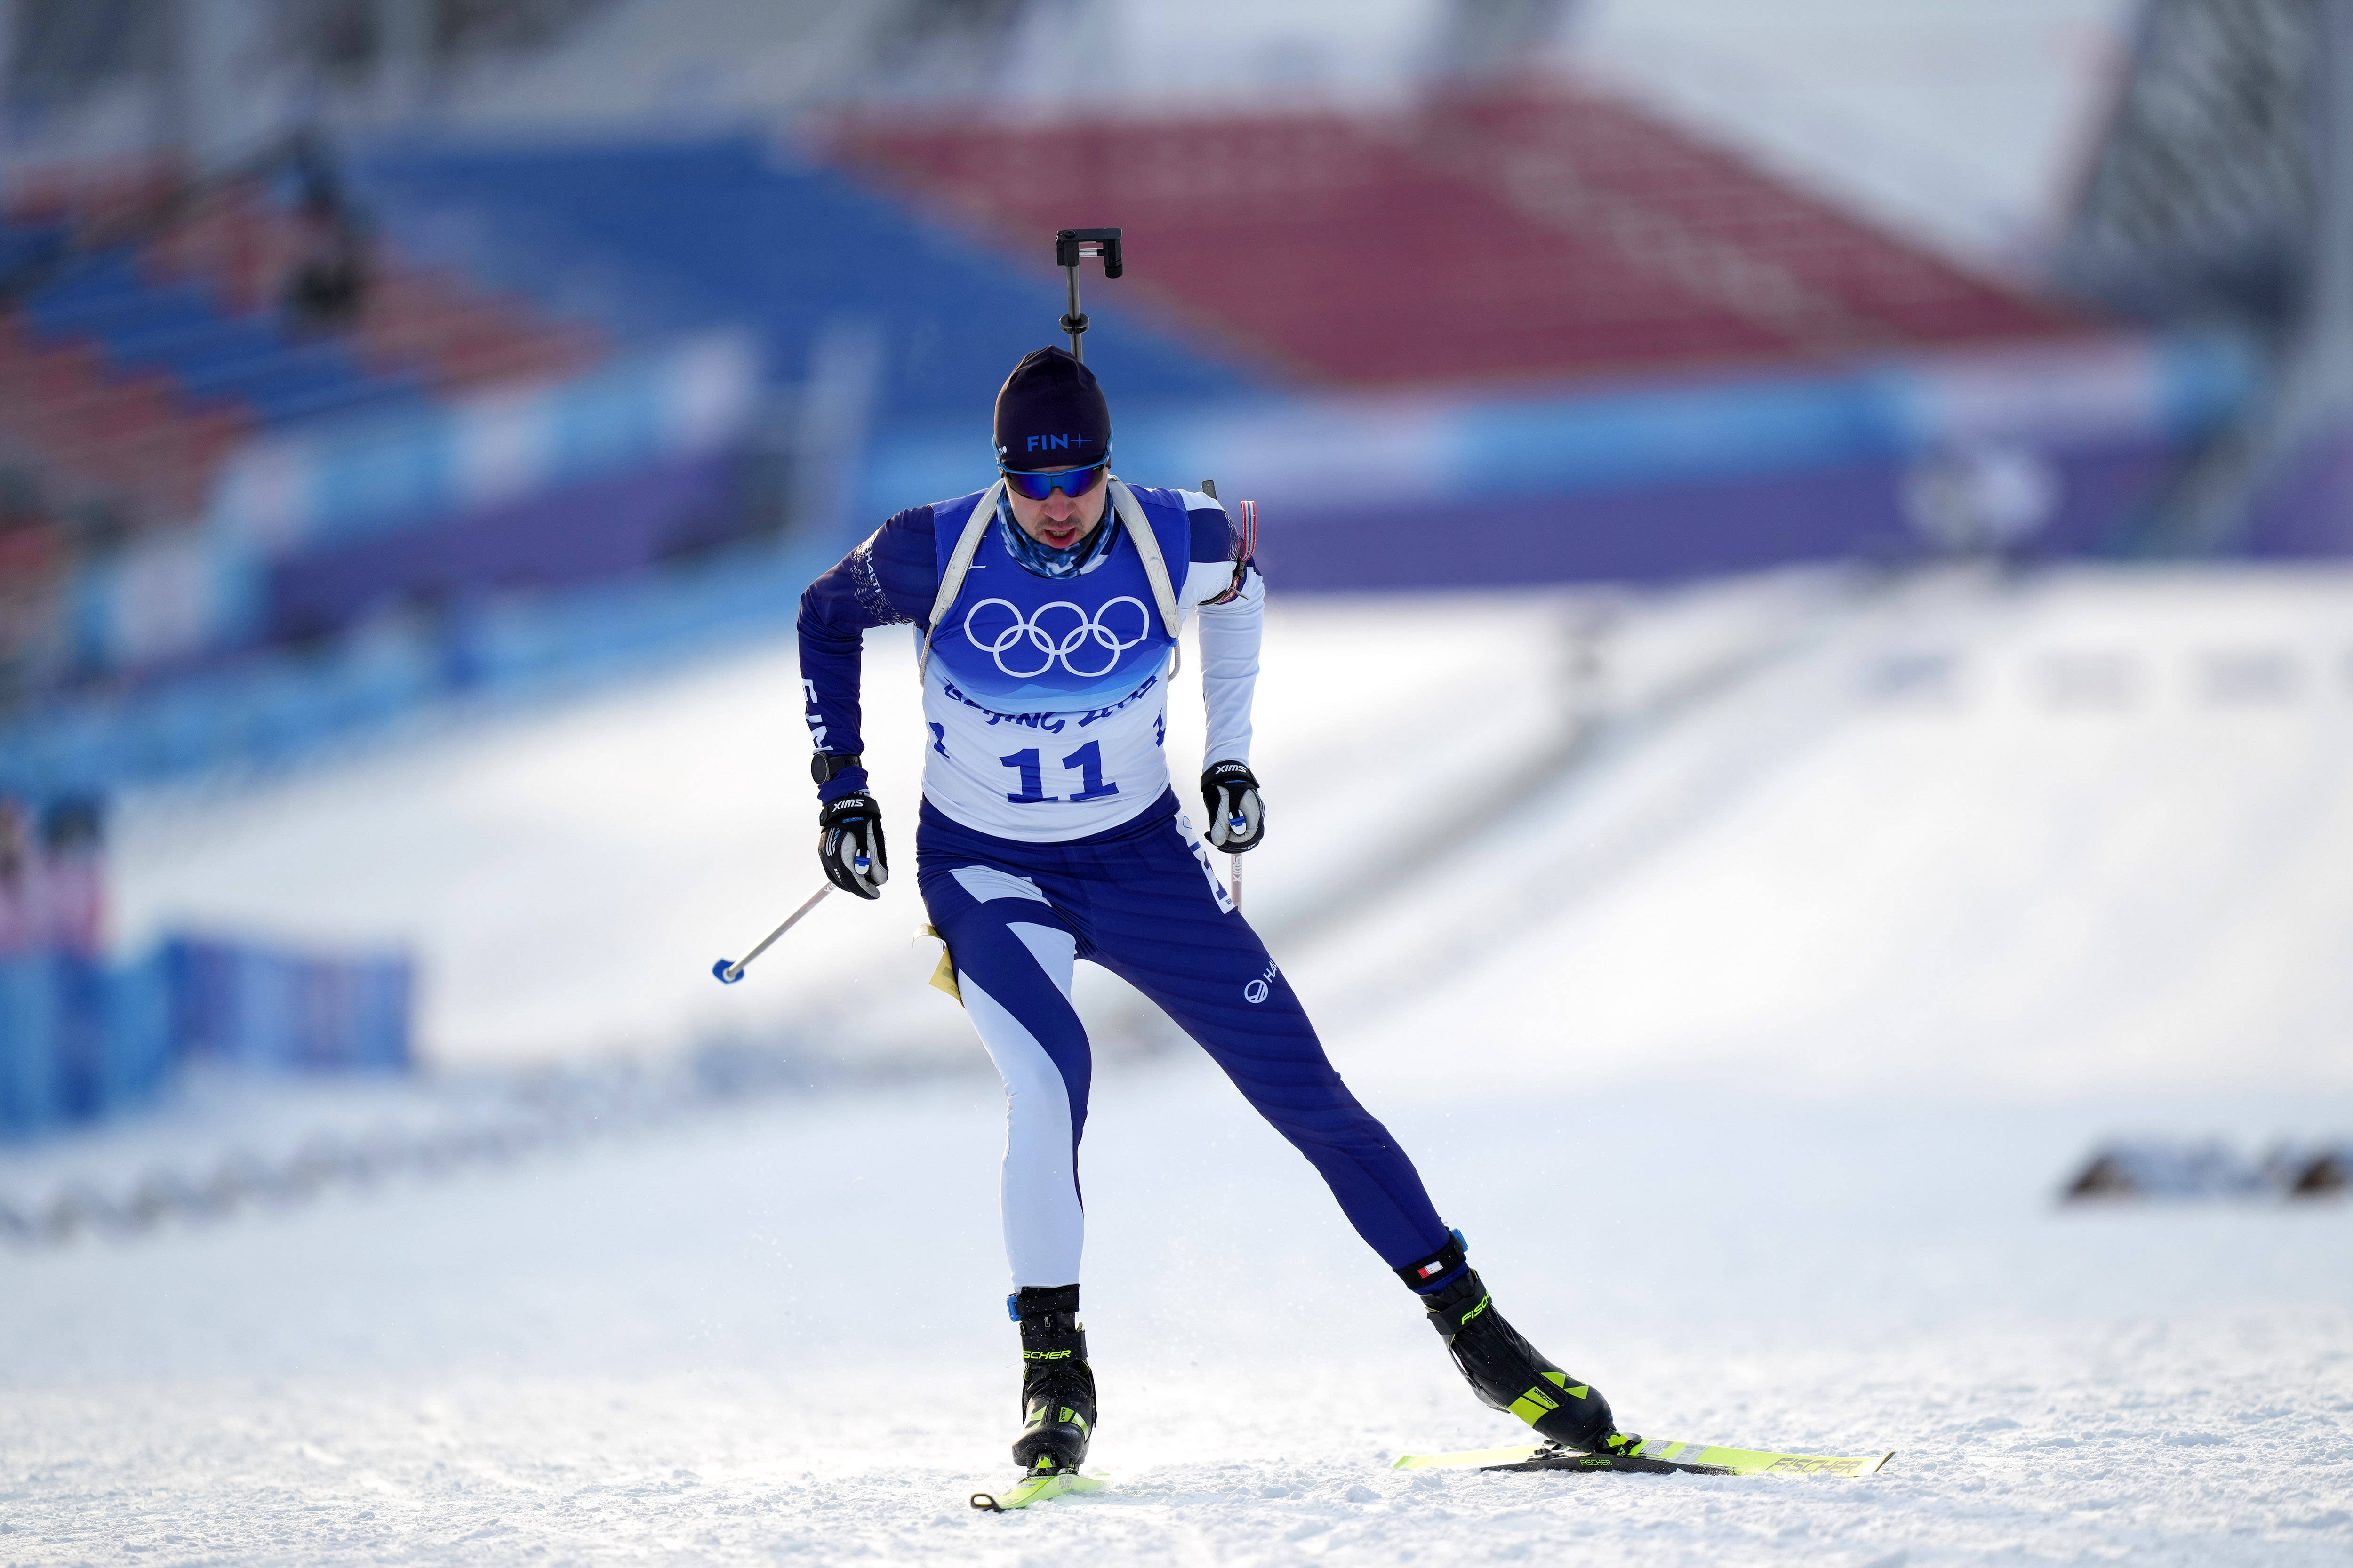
(1046, 609)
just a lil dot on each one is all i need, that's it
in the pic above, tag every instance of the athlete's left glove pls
(849, 845)
(1237, 816)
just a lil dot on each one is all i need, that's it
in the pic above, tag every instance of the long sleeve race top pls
(1045, 698)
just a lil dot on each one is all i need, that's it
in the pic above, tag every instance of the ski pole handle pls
(729, 974)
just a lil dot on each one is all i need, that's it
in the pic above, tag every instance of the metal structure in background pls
(2223, 194)
(1497, 37)
(2197, 202)
(927, 48)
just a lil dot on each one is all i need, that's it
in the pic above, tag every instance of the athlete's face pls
(1060, 521)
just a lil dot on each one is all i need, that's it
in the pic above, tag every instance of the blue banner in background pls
(288, 496)
(1657, 482)
(268, 1008)
(29, 1028)
(81, 1042)
(1343, 456)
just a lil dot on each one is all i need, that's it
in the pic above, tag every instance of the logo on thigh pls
(1258, 990)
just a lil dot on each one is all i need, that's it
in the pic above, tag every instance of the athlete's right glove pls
(1237, 816)
(849, 845)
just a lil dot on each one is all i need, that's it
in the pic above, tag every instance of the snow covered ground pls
(777, 1336)
(1816, 930)
(2082, 835)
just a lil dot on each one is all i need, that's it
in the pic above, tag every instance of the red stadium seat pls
(1517, 231)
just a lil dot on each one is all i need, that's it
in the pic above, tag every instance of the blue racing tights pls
(1142, 900)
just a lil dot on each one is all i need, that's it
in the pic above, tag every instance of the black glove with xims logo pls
(1237, 816)
(849, 845)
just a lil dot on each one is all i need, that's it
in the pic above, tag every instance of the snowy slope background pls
(1810, 930)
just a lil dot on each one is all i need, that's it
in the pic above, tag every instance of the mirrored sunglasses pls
(1037, 484)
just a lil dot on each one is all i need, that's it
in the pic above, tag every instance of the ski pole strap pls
(1427, 1273)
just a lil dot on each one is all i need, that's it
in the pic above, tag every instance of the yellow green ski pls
(1654, 1457)
(1039, 1485)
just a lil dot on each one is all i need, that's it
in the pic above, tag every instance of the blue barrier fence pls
(260, 1008)
(80, 1041)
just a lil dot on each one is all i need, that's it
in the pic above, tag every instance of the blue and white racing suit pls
(1048, 833)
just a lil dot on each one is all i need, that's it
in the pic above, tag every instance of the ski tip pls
(1039, 1488)
(1882, 1463)
(1467, 1458)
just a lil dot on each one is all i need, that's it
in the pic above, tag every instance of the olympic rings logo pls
(1059, 633)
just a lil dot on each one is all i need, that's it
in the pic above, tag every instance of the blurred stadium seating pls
(145, 358)
(1520, 304)
(144, 343)
(394, 470)
(681, 235)
(427, 322)
(1530, 309)
(1517, 230)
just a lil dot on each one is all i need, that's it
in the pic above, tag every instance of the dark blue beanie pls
(1051, 415)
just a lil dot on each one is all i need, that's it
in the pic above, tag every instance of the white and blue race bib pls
(1046, 698)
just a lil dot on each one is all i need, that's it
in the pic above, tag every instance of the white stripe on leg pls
(1045, 1228)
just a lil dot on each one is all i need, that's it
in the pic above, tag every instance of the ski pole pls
(1250, 542)
(729, 974)
(1249, 550)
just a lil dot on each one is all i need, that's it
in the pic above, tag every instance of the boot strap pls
(1437, 1265)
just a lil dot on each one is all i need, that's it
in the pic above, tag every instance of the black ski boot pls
(1503, 1369)
(1057, 1387)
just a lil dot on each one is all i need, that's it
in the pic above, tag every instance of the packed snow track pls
(775, 1336)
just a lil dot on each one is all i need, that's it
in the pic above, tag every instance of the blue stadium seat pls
(178, 330)
(665, 238)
